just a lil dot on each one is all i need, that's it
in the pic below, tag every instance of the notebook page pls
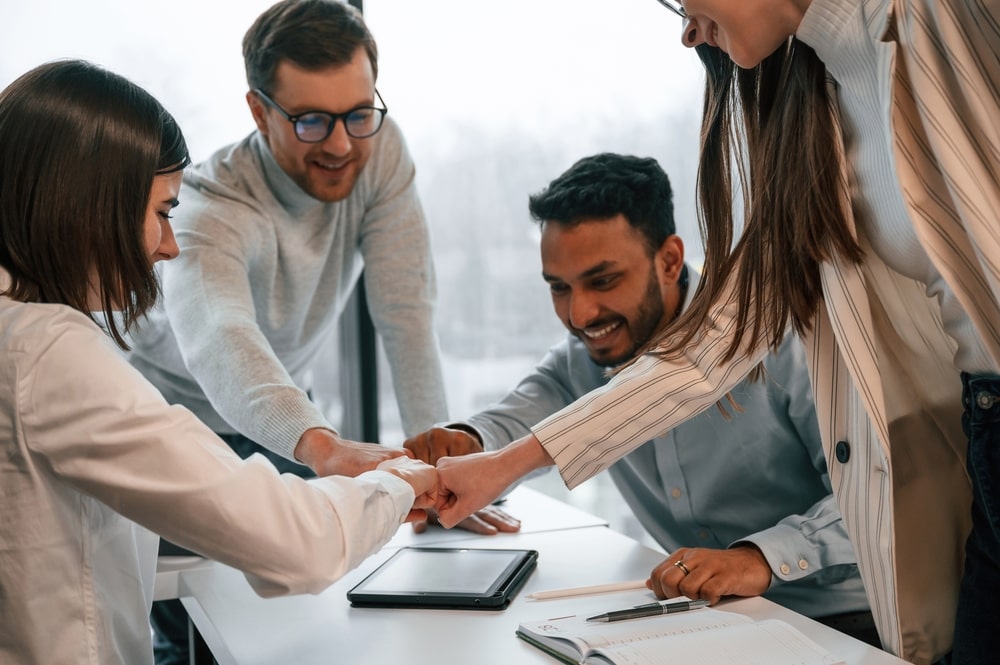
(769, 642)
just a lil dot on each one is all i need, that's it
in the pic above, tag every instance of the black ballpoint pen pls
(650, 610)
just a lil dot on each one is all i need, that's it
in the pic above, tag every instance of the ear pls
(670, 260)
(258, 111)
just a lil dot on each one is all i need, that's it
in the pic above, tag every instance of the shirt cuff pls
(790, 556)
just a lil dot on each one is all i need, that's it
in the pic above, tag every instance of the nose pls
(693, 32)
(168, 248)
(338, 143)
(583, 310)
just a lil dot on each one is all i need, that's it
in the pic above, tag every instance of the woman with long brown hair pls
(865, 143)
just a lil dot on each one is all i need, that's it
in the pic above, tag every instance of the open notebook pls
(706, 637)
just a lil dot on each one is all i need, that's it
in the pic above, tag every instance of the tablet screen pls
(445, 571)
(453, 576)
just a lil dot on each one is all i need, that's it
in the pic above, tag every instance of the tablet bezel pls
(497, 596)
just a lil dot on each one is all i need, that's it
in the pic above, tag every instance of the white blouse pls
(91, 456)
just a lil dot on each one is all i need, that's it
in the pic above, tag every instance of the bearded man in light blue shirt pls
(752, 516)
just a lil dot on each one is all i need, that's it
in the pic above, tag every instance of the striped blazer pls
(887, 393)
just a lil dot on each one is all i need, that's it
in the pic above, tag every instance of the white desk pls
(242, 629)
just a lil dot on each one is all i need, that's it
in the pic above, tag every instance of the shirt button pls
(803, 564)
(703, 534)
(675, 492)
(843, 451)
(985, 400)
(785, 569)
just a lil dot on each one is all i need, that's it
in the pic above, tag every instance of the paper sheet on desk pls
(706, 637)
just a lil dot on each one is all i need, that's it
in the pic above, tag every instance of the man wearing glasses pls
(274, 232)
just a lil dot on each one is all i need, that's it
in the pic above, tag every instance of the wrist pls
(314, 446)
(524, 456)
(467, 429)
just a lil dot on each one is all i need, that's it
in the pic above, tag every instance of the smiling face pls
(607, 288)
(327, 170)
(747, 30)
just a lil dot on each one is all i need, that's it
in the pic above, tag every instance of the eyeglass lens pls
(359, 123)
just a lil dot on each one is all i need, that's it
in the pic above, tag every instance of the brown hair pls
(777, 126)
(313, 34)
(79, 147)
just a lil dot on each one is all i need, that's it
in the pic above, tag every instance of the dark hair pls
(79, 148)
(313, 34)
(776, 126)
(605, 185)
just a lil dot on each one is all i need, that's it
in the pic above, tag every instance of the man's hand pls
(471, 482)
(486, 522)
(423, 478)
(328, 455)
(711, 574)
(438, 442)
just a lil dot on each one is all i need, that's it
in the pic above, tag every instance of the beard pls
(641, 326)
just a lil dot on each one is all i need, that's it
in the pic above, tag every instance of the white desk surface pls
(242, 629)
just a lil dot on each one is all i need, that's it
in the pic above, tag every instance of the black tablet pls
(446, 578)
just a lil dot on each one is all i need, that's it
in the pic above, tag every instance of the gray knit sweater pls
(263, 275)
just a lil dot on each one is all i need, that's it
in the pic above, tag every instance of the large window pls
(495, 99)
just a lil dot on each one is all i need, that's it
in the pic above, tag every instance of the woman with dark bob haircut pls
(93, 461)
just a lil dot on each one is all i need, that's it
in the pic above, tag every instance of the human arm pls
(97, 426)
(786, 529)
(227, 303)
(400, 281)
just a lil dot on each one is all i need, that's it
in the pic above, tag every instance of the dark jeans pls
(859, 625)
(168, 617)
(977, 626)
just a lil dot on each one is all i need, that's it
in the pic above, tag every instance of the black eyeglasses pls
(315, 126)
(675, 7)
